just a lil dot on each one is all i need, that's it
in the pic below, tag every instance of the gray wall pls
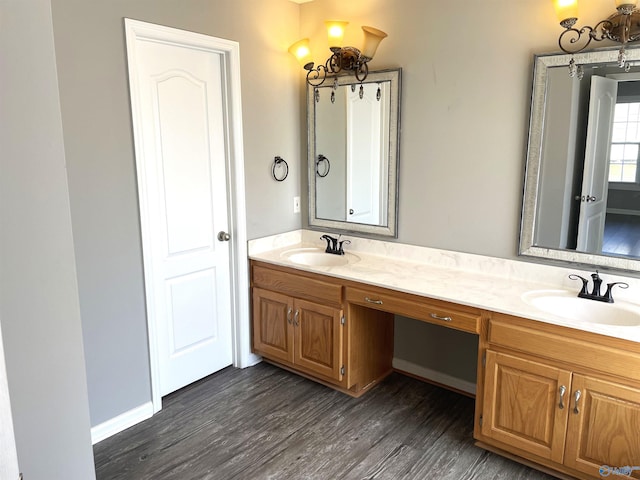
(623, 199)
(39, 307)
(90, 48)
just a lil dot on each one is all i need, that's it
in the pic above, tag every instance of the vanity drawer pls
(297, 284)
(574, 347)
(438, 312)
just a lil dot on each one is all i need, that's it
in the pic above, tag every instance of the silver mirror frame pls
(534, 159)
(391, 229)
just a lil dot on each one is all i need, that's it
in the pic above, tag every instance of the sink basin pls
(562, 303)
(315, 257)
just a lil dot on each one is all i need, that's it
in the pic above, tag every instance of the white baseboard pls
(434, 376)
(121, 422)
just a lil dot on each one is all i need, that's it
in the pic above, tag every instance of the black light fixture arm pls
(621, 27)
(346, 59)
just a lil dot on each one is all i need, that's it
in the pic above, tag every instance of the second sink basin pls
(562, 303)
(315, 257)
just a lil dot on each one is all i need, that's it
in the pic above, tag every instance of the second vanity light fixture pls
(622, 27)
(348, 60)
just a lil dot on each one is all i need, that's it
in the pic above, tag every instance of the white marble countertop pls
(487, 283)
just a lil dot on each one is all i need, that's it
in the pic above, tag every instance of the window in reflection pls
(625, 143)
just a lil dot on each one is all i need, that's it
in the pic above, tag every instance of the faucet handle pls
(584, 290)
(608, 295)
(340, 249)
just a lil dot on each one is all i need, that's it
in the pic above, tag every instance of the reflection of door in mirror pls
(368, 145)
(355, 138)
(593, 199)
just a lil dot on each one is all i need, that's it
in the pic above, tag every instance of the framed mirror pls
(582, 183)
(353, 139)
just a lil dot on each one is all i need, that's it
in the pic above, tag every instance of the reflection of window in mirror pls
(625, 143)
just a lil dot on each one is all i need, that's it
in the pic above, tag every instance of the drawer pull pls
(289, 321)
(438, 317)
(576, 399)
(368, 300)
(296, 317)
(563, 390)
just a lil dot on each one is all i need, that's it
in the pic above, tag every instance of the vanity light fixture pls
(345, 60)
(622, 27)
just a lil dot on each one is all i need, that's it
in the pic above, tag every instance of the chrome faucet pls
(334, 245)
(595, 291)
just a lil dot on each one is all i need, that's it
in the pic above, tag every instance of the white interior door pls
(183, 196)
(364, 156)
(593, 199)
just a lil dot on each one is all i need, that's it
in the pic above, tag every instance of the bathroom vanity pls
(554, 393)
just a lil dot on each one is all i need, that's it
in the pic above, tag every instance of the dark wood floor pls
(622, 235)
(265, 423)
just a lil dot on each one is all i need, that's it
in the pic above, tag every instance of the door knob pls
(223, 236)
(351, 211)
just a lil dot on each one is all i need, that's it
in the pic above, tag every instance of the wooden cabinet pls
(272, 325)
(604, 426)
(522, 404)
(549, 396)
(301, 333)
(299, 323)
(442, 313)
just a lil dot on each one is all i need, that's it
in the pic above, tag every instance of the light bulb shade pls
(302, 52)
(372, 38)
(335, 32)
(619, 3)
(566, 9)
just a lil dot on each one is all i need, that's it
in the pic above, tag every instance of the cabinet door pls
(273, 325)
(604, 429)
(523, 407)
(318, 339)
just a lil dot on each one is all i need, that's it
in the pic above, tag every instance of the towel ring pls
(321, 159)
(278, 161)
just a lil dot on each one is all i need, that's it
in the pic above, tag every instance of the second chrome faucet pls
(595, 292)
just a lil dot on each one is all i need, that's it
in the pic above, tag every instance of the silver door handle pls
(563, 390)
(223, 236)
(369, 300)
(576, 399)
(438, 317)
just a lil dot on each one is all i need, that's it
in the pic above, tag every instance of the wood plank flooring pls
(622, 235)
(265, 423)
